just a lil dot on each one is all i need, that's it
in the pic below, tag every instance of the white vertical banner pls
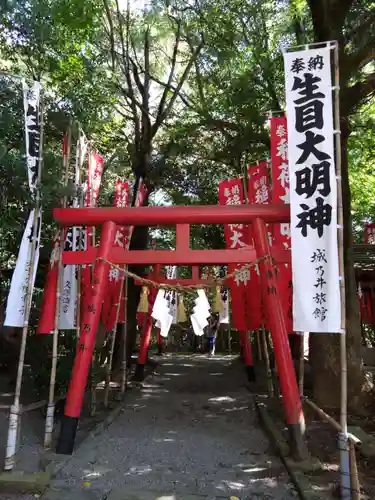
(224, 293)
(31, 104)
(313, 191)
(224, 314)
(172, 296)
(15, 312)
(16, 303)
(68, 295)
(69, 290)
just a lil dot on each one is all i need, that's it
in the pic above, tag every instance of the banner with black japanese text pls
(31, 103)
(15, 312)
(313, 191)
(224, 293)
(281, 194)
(258, 188)
(16, 304)
(110, 303)
(237, 237)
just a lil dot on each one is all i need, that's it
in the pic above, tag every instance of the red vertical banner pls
(94, 178)
(258, 189)
(47, 310)
(109, 311)
(369, 234)
(280, 194)
(244, 315)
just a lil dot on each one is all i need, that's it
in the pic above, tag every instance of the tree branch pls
(126, 66)
(161, 107)
(360, 91)
(111, 32)
(146, 124)
(172, 100)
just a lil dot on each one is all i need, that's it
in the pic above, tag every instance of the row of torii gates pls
(181, 217)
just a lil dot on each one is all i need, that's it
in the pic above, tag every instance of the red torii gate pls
(181, 217)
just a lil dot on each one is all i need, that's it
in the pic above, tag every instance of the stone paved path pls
(191, 430)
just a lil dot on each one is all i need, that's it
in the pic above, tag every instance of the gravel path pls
(191, 430)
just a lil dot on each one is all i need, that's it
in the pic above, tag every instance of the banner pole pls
(113, 339)
(229, 324)
(80, 200)
(343, 437)
(15, 410)
(55, 341)
(267, 361)
(247, 347)
(124, 367)
(136, 201)
(301, 371)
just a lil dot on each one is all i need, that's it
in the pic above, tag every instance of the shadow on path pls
(191, 429)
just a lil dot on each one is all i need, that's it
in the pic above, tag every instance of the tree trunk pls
(325, 348)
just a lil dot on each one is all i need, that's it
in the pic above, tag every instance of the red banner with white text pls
(258, 188)
(110, 304)
(369, 234)
(93, 182)
(280, 194)
(46, 322)
(237, 237)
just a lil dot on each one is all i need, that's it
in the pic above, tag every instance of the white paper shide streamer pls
(165, 306)
(201, 312)
(313, 191)
(162, 314)
(15, 312)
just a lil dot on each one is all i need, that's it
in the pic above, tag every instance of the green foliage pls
(362, 169)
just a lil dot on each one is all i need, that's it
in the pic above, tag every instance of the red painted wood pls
(90, 321)
(170, 216)
(174, 257)
(275, 316)
(182, 236)
(247, 353)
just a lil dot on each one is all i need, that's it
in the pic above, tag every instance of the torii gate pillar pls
(288, 383)
(85, 349)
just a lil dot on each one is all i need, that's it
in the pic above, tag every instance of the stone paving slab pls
(191, 430)
(152, 495)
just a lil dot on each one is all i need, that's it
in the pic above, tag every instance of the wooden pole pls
(301, 374)
(94, 362)
(78, 184)
(124, 367)
(354, 480)
(113, 340)
(55, 341)
(15, 410)
(259, 344)
(267, 361)
(343, 438)
(229, 322)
